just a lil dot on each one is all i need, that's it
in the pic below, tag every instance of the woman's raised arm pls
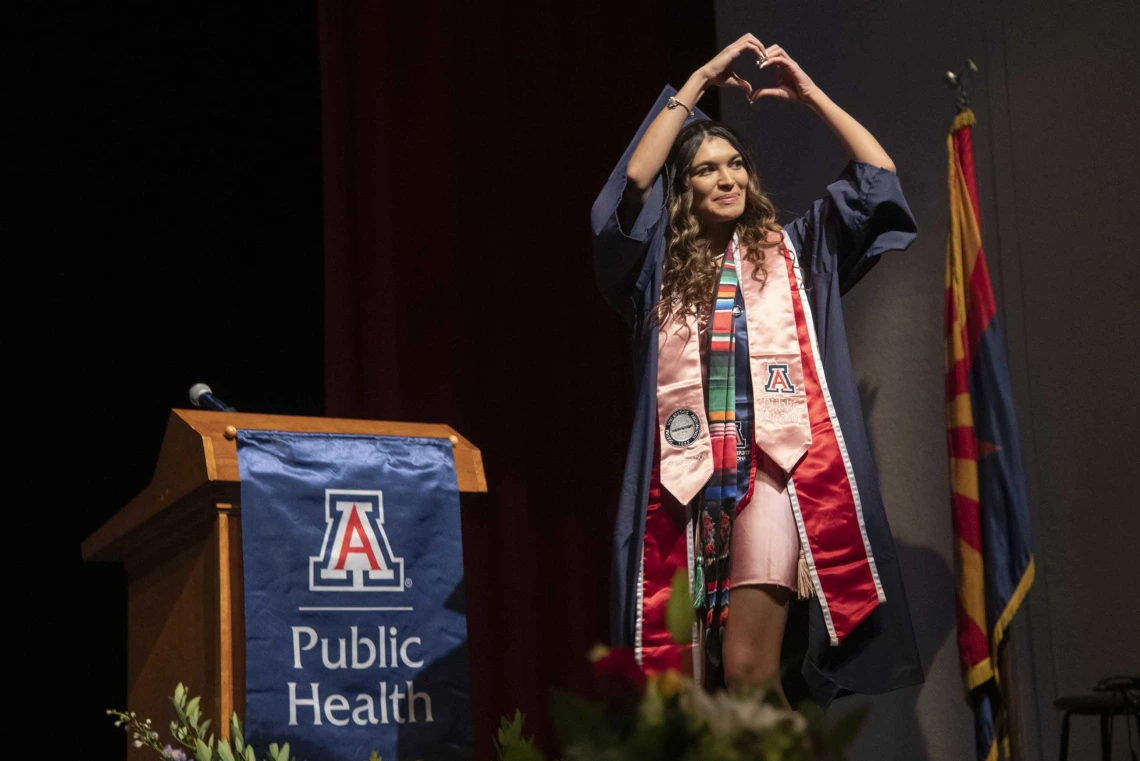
(794, 85)
(651, 152)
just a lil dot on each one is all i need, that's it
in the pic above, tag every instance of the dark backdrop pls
(169, 202)
(462, 153)
(171, 178)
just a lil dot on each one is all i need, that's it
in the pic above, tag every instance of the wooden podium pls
(180, 543)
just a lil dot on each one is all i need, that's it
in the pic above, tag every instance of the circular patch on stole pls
(682, 428)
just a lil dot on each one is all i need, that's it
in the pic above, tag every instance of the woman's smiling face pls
(719, 180)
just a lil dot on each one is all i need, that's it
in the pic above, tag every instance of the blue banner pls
(356, 634)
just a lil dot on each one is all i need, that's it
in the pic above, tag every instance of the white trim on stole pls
(690, 539)
(818, 360)
(800, 527)
(690, 536)
(637, 627)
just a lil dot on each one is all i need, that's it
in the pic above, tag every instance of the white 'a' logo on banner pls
(355, 554)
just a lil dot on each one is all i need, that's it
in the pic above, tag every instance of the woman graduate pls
(749, 462)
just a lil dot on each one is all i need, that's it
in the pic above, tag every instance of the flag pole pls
(1010, 704)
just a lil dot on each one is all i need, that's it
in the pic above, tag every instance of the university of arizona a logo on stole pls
(355, 554)
(778, 380)
(743, 442)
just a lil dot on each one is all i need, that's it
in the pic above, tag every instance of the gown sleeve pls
(863, 214)
(620, 254)
(621, 260)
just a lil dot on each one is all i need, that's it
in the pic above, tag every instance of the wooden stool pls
(1102, 704)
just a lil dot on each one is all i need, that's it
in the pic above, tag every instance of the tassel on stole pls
(804, 586)
(699, 587)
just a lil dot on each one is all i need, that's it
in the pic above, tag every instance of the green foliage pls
(193, 733)
(580, 721)
(679, 616)
(510, 745)
(675, 720)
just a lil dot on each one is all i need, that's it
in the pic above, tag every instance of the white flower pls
(726, 715)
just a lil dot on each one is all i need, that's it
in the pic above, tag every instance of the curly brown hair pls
(692, 268)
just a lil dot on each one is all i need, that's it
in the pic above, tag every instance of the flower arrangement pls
(193, 735)
(666, 717)
(640, 717)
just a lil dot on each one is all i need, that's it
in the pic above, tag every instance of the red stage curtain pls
(462, 150)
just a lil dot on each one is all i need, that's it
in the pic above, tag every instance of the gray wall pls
(1057, 149)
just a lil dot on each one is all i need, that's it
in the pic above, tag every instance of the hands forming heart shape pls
(792, 84)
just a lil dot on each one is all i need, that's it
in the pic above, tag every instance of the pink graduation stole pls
(795, 425)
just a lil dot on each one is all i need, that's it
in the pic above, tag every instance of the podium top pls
(200, 449)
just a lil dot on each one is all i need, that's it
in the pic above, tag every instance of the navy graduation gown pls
(838, 240)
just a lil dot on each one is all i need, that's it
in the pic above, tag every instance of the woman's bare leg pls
(753, 635)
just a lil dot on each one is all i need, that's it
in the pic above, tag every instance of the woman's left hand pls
(791, 81)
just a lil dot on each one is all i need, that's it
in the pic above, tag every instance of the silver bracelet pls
(673, 103)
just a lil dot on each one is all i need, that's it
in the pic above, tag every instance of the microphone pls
(202, 396)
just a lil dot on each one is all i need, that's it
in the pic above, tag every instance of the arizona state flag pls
(993, 542)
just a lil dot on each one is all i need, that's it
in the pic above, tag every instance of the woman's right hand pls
(653, 149)
(719, 71)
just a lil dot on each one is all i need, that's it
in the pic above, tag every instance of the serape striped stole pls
(719, 496)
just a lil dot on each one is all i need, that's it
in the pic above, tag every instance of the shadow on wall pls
(893, 730)
(893, 721)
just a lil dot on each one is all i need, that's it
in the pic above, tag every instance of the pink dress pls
(765, 541)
